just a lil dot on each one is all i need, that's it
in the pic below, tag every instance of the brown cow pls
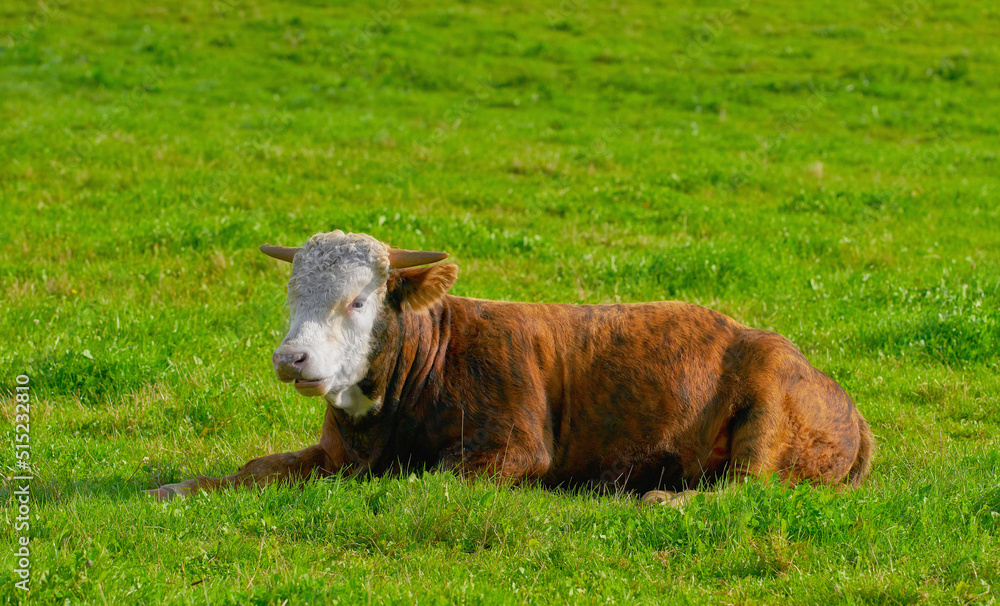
(640, 397)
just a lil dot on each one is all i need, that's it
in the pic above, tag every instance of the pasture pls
(828, 172)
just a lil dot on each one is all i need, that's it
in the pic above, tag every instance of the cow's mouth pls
(318, 387)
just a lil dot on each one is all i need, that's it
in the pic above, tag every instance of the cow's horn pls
(400, 257)
(283, 253)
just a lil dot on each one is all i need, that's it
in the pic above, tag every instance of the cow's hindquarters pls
(862, 462)
(794, 421)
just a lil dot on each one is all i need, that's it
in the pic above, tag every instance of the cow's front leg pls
(273, 468)
(512, 464)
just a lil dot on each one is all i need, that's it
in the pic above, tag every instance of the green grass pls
(827, 172)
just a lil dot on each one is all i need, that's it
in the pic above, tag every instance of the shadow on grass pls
(46, 491)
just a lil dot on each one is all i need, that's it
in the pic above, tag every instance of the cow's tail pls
(863, 461)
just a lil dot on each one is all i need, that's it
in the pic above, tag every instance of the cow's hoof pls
(654, 497)
(677, 500)
(169, 492)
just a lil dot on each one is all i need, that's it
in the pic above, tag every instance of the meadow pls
(825, 171)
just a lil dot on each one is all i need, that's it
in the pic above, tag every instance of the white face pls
(335, 295)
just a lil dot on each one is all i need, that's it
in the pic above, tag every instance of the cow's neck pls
(409, 349)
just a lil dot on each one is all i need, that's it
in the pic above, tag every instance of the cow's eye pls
(358, 304)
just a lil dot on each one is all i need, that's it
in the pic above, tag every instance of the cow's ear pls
(420, 287)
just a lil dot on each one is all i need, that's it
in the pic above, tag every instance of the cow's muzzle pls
(289, 365)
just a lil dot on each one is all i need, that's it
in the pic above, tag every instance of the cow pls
(654, 399)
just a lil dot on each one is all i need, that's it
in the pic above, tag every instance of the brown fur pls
(638, 397)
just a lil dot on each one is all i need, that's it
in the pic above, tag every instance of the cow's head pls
(344, 286)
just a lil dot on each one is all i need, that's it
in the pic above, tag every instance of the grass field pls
(828, 172)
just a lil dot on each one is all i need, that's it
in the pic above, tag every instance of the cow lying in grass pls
(650, 397)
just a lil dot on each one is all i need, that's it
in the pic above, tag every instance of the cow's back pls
(609, 387)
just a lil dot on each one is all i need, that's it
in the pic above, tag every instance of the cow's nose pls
(289, 365)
